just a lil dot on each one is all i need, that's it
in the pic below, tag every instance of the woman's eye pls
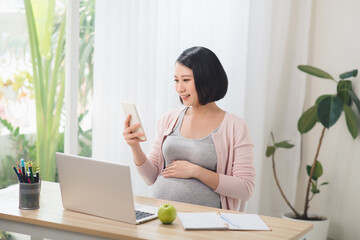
(176, 80)
(186, 80)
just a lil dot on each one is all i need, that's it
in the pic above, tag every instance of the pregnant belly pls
(185, 190)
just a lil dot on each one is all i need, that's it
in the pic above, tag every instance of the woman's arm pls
(185, 169)
(154, 161)
(133, 141)
(241, 182)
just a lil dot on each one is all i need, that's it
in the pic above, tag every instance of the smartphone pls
(130, 108)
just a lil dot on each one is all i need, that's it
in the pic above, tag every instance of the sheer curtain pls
(259, 42)
(136, 45)
(275, 90)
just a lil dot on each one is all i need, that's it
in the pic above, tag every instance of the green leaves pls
(329, 110)
(284, 144)
(44, 22)
(351, 121)
(314, 188)
(352, 73)
(315, 71)
(308, 120)
(270, 150)
(318, 170)
(49, 79)
(343, 88)
(355, 99)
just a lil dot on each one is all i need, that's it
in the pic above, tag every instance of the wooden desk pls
(54, 222)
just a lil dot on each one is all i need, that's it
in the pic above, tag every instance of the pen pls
(229, 221)
(37, 177)
(17, 163)
(20, 173)
(22, 162)
(31, 174)
(17, 174)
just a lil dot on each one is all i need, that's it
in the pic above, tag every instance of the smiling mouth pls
(185, 97)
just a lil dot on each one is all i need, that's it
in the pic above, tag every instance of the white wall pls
(335, 48)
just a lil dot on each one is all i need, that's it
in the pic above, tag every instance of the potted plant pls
(326, 110)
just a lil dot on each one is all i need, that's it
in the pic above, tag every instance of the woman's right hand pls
(130, 136)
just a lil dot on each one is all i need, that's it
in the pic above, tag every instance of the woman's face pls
(185, 85)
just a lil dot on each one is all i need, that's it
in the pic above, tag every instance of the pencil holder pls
(29, 195)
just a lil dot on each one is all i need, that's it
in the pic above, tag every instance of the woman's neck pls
(204, 110)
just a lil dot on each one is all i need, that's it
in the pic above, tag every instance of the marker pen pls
(37, 177)
(17, 174)
(23, 168)
(31, 174)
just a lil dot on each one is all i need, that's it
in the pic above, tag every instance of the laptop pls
(100, 188)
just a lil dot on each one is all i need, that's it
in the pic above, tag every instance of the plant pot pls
(320, 229)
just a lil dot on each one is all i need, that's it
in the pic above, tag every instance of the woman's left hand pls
(181, 169)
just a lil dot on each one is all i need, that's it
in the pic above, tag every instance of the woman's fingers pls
(127, 121)
(129, 136)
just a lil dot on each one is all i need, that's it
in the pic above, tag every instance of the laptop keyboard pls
(141, 214)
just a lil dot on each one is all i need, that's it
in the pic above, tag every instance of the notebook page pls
(201, 220)
(245, 221)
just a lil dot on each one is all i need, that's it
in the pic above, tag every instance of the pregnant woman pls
(202, 154)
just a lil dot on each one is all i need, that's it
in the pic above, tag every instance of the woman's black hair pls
(209, 75)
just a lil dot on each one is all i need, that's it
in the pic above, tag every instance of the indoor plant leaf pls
(329, 110)
(345, 96)
(270, 151)
(16, 133)
(314, 189)
(355, 99)
(318, 170)
(352, 73)
(315, 71)
(351, 121)
(322, 97)
(284, 144)
(324, 183)
(44, 12)
(308, 120)
(343, 88)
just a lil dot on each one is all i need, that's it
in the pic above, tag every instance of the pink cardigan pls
(233, 147)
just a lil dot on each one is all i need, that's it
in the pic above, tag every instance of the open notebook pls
(218, 221)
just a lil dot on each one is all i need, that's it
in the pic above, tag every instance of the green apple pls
(167, 213)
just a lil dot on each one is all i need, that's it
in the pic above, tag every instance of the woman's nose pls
(180, 87)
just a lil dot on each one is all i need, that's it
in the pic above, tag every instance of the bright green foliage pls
(49, 81)
(5, 235)
(351, 121)
(308, 120)
(315, 71)
(318, 170)
(343, 88)
(352, 73)
(23, 145)
(284, 144)
(355, 99)
(329, 110)
(270, 150)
